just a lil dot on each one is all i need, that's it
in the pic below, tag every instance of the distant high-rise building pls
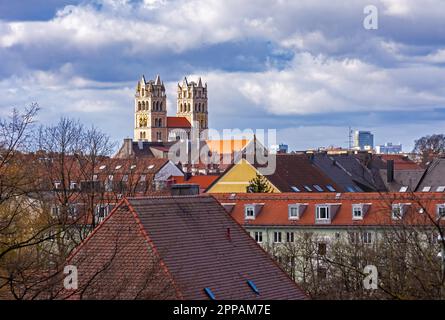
(389, 148)
(363, 140)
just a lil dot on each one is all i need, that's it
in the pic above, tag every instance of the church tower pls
(150, 119)
(192, 103)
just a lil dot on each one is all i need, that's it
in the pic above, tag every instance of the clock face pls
(143, 120)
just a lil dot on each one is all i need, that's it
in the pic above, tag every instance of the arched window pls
(160, 106)
(140, 135)
(160, 122)
(188, 109)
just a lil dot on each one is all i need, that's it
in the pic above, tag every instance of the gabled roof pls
(227, 146)
(298, 170)
(199, 246)
(204, 181)
(178, 122)
(434, 175)
(275, 210)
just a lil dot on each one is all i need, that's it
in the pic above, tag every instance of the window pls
(322, 213)
(330, 188)
(258, 236)
(125, 178)
(73, 185)
(357, 212)
(321, 249)
(295, 189)
(397, 212)
(441, 211)
(321, 273)
(72, 211)
(55, 210)
(426, 189)
(102, 211)
(318, 188)
(354, 237)
(143, 178)
(118, 167)
(308, 188)
(350, 189)
(253, 286)
(290, 237)
(250, 212)
(294, 212)
(102, 167)
(57, 185)
(277, 237)
(403, 189)
(367, 237)
(133, 166)
(440, 189)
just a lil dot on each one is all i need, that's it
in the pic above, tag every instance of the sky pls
(307, 68)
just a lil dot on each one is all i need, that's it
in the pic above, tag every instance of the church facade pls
(151, 122)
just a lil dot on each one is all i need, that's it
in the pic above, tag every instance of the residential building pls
(293, 173)
(177, 248)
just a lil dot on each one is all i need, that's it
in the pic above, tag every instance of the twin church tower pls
(151, 122)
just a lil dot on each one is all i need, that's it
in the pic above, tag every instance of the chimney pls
(390, 170)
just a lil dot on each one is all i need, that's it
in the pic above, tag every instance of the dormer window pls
(441, 211)
(57, 185)
(250, 212)
(357, 212)
(399, 210)
(323, 213)
(73, 185)
(296, 210)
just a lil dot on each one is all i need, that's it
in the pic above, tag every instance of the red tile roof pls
(401, 162)
(178, 122)
(274, 211)
(204, 181)
(196, 243)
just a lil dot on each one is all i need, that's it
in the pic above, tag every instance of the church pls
(151, 122)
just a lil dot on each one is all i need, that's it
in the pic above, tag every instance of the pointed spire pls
(184, 82)
(199, 82)
(143, 80)
(158, 80)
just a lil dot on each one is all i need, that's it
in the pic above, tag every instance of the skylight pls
(403, 189)
(253, 286)
(350, 189)
(426, 189)
(102, 167)
(118, 167)
(209, 293)
(295, 189)
(308, 188)
(318, 188)
(151, 166)
(330, 188)
(133, 166)
(440, 189)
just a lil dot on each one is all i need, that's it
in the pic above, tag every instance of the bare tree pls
(430, 147)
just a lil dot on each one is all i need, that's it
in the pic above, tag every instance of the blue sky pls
(307, 68)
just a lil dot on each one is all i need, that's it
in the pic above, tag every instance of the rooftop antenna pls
(349, 138)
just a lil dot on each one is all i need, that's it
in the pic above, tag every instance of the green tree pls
(259, 184)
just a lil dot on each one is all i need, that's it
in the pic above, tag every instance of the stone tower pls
(192, 103)
(150, 119)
